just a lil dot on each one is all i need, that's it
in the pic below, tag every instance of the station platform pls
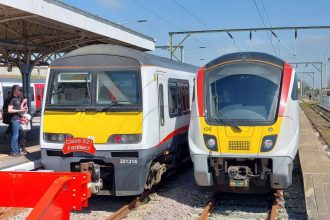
(29, 161)
(315, 166)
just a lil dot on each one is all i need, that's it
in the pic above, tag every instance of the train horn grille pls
(239, 145)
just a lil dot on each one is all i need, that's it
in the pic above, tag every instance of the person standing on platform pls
(6, 116)
(15, 109)
(23, 133)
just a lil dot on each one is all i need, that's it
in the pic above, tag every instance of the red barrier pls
(52, 194)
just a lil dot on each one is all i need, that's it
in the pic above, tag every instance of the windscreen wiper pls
(107, 107)
(227, 121)
(87, 87)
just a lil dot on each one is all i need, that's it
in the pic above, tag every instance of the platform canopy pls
(33, 32)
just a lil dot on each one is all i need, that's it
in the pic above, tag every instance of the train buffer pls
(52, 195)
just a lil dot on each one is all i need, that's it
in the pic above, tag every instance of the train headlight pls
(211, 142)
(61, 137)
(268, 143)
(124, 139)
(56, 138)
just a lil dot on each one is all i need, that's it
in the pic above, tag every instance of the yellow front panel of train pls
(246, 141)
(100, 125)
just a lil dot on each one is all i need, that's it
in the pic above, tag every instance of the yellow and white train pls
(118, 113)
(244, 127)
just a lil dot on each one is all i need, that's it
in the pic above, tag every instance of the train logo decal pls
(78, 145)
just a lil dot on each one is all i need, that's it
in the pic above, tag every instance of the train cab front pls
(243, 135)
(92, 122)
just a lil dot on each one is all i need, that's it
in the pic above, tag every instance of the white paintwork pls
(287, 142)
(63, 14)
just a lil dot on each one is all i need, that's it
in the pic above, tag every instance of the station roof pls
(50, 26)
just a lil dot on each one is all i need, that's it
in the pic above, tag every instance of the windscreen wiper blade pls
(107, 107)
(227, 121)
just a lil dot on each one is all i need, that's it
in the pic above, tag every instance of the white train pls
(118, 113)
(244, 127)
(36, 90)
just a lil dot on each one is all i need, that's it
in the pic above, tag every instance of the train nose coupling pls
(239, 172)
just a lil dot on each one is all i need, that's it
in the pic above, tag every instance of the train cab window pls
(173, 100)
(246, 93)
(117, 87)
(71, 88)
(161, 105)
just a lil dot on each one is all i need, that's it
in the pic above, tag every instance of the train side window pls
(294, 93)
(173, 99)
(161, 105)
(184, 94)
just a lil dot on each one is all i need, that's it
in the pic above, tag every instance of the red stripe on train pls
(174, 133)
(287, 73)
(200, 91)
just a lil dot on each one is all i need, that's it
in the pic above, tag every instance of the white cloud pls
(112, 4)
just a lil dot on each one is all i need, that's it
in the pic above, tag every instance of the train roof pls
(114, 50)
(246, 56)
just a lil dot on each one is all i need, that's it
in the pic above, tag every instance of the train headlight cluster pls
(211, 142)
(56, 138)
(125, 138)
(268, 143)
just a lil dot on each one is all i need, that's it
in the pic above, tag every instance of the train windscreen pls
(243, 92)
(94, 89)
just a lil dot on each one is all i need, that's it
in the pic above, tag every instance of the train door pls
(161, 105)
(38, 93)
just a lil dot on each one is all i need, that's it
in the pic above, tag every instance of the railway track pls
(123, 211)
(321, 126)
(143, 198)
(278, 203)
(321, 112)
(209, 207)
(6, 213)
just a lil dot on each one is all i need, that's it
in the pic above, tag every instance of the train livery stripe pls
(200, 91)
(174, 133)
(287, 73)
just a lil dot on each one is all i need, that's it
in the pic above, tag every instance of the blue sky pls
(179, 15)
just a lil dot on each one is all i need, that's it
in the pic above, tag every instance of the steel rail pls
(316, 127)
(320, 112)
(278, 204)
(123, 211)
(209, 207)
